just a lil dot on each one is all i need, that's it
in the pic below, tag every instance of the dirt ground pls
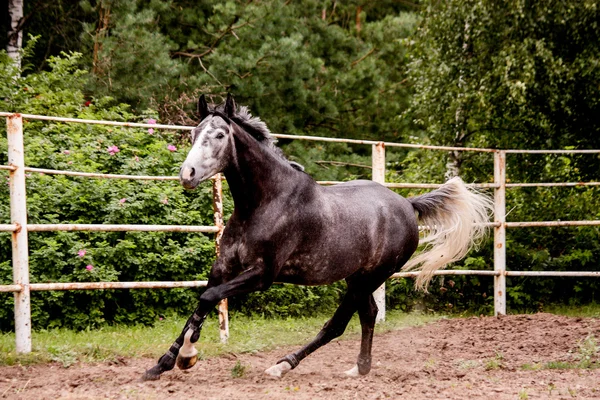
(474, 358)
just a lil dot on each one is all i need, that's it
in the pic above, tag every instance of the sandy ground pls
(474, 358)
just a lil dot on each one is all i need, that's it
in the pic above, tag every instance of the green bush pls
(103, 256)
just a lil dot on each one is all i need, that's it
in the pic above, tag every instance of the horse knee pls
(211, 296)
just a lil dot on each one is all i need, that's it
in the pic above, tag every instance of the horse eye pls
(220, 135)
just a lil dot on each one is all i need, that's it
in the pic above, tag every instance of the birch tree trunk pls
(15, 32)
(455, 158)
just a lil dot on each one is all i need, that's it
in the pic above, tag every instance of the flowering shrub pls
(101, 256)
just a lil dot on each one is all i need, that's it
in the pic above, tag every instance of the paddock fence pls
(19, 227)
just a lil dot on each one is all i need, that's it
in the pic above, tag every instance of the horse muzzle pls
(188, 178)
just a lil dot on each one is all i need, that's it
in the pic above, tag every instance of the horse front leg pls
(182, 352)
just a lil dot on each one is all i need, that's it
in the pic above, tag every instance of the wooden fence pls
(19, 227)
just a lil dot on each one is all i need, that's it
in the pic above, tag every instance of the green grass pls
(494, 363)
(247, 334)
(591, 310)
(238, 370)
(559, 365)
(587, 353)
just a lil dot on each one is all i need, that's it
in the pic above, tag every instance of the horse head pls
(212, 144)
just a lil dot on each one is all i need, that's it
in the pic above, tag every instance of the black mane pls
(256, 128)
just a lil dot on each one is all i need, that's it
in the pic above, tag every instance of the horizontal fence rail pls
(104, 285)
(120, 228)
(19, 227)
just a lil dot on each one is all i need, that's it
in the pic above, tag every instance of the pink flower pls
(165, 201)
(152, 121)
(136, 158)
(112, 150)
(150, 131)
(67, 152)
(160, 318)
(70, 162)
(81, 253)
(123, 200)
(171, 148)
(89, 267)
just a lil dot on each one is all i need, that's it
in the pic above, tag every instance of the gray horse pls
(287, 228)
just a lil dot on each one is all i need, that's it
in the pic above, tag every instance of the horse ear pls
(230, 106)
(202, 108)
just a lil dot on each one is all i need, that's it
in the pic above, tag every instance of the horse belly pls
(323, 268)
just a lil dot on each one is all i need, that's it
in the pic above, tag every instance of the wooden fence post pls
(378, 163)
(20, 247)
(500, 232)
(218, 209)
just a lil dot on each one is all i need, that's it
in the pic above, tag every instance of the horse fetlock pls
(278, 370)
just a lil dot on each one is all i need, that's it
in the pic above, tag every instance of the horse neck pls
(256, 175)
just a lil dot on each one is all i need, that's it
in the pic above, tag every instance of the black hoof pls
(184, 363)
(153, 374)
(364, 366)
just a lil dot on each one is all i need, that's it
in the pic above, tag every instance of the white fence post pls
(378, 163)
(18, 216)
(500, 232)
(218, 209)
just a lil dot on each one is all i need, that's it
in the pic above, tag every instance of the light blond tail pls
(455, 218)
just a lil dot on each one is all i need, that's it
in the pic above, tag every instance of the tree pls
(523, 75)
(508, 74)
(15, 31)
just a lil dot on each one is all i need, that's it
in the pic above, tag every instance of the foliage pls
(306, 67)
(516, 75)
(106, 256)
(128, 56)
(508, 74)
(461, 72)
(112, 256)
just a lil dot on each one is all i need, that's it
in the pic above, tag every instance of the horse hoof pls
(278, 370)
(184, 363)
(153, 374)
(352, 372)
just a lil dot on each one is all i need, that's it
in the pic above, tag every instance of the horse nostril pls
(192, 172)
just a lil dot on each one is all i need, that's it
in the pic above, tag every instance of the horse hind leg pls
(332, 329)
(367, 312)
